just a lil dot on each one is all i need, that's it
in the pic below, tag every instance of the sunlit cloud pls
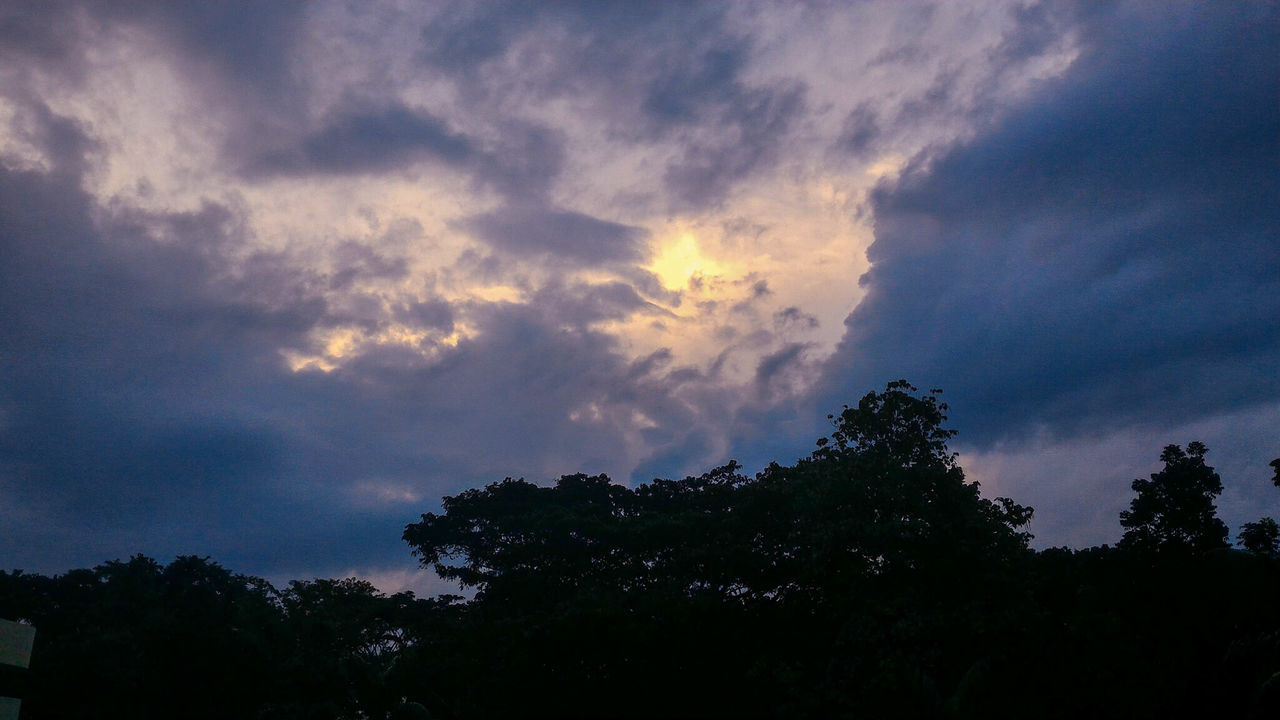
(289, 248)
(678, 260)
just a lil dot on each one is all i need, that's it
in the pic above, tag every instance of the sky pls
(276, 277)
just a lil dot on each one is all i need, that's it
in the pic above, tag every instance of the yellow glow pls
(400, 335)
(681, 259)
(498, 293)
(887, 165)
(343, 343)
(452, 338)
(299, 362)
(340, 343)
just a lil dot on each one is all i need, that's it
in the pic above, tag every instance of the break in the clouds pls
(278, 276)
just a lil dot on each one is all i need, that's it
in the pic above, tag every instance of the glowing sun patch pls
(680, 259)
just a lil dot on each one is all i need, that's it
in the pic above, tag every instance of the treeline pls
(866, 580)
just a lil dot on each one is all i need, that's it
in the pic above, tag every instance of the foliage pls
(192, 639)
(869, 579)
(1174, 510)
(879, 506)
(189, 639)
(879, 495)
(1262, 537)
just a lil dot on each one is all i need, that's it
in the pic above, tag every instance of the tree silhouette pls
(872, 563)
(868, 579)
(346, 637)
(190, 639)
(1174, 510)
(1262, 537)
(882, 494)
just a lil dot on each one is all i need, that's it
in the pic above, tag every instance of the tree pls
(191, 639)
(865, 564)
(1174, 510)
(1262, 537)
(882, 493)
(347, 639)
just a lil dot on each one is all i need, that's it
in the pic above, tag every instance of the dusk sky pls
(275, 277)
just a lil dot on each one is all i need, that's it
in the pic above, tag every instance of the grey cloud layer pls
(146, 405)
(648, 71)
(1105, 255)
(364, 142)
(1102, 256)
(568, 236)
(661, 74)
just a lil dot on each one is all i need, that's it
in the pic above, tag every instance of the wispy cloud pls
(278, 276)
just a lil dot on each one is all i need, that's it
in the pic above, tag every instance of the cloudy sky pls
(275, 277)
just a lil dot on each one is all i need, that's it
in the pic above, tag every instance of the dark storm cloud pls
(861, 130)
(39, 34)
(61, 140)
(1105, 255)
(527, 396)
(118, 353)
(937, 100)
(581, 304)
(355, 260)
(753, 127)
(245, 58)
(602, 40)
(650, 72)
(776, 363)
(365, 141)
(242, 57)
(239, 55)
(434, 313)
(138, 375)
(523, 163)
(249, 41)
(145, 406)
(1038, 25)
(560, 234)
(793, 318)
(647, 72)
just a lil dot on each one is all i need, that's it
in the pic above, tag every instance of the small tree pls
(1174, 510)
(1262, 537)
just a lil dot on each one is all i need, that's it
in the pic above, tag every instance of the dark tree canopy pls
(192, 633)
(1174, 510)
(1262, 537)
(869, 579)
(874, 540)
(880, 495)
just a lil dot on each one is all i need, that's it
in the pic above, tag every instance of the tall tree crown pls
(1174, 510)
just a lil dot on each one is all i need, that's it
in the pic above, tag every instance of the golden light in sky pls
(602, 237)
(679, 259)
